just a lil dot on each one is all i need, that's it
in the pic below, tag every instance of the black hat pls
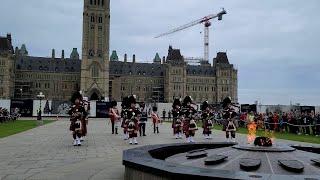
(187, 100)
(226, 102)
(114, 103)
(75, 96)
(154, 108)
(125, 103)
(176, 102)
(132, 99)
(205, 105)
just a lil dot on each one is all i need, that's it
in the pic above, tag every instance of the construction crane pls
(206, 22)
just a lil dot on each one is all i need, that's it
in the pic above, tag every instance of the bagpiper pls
(77, 113)
(124, 116)
(86, 104)
(133, 116)
(206, 117)
(189, 124)
(177, 123)
(230, 123)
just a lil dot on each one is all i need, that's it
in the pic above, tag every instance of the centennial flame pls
(252, 130)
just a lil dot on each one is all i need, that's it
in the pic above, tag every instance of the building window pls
(92, 18)
(98, 2)
(95, 70)
(91, 2)
(95, 2)
(102, 2)
(100, 19)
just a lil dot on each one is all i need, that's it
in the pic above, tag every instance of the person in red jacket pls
(114, 117)
(155, 120)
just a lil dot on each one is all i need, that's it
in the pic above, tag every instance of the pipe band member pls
(206, 117)
(133, 116)
(124, 116)
(77, 113)
(176, 122)
(188, 112)
(229, 116)
(86, 104)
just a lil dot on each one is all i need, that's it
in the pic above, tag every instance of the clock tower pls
(95, 49)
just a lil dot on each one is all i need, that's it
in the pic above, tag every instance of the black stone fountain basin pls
(274, 148)
(169, 161)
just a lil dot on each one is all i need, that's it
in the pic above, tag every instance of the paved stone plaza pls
(47, 153)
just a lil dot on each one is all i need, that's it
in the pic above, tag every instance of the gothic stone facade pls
(95, 49)
(174, 78)
(6, 66)
(160, 81)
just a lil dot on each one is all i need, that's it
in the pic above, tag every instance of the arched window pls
(102, 2)
(92, 18)
(95, 2)
(91, 2)
(99, 2)
(95, 70)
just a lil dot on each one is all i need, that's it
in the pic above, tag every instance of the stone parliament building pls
(102, 76)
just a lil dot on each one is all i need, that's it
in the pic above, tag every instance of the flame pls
(270, 134)
(252, 131)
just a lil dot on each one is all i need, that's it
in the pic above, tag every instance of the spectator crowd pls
(6, 116)
(307, 123)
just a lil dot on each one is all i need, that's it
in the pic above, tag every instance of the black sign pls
(248, 107)
(25, 107)
(102, 109)
(307, 109)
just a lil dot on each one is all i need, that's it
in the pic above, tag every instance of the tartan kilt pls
(83, 127)
(75, 126)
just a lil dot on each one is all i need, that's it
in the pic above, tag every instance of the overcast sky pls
(274, 44)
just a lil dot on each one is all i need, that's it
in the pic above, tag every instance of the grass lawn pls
(10, 128)
(278, 135)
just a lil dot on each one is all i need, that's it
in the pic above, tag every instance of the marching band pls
(132, 118)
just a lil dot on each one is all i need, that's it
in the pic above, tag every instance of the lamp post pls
(20, 93)
(40, 96)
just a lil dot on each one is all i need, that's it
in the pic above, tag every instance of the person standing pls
(189, 125)
(143, 119)
(114, 117)
(206, 117)
(176, 122)
(155, 120)
(229, 115)
(164, 114)
(133, 116)
(169, 115)
(77, 113)
(124, 117)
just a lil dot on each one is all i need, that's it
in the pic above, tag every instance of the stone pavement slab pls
(47, 152)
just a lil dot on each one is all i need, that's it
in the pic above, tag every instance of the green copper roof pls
(74, 54)
(23, 50)
(114, 56)
(157, 58)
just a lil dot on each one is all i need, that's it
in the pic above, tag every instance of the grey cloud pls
(276, 42)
